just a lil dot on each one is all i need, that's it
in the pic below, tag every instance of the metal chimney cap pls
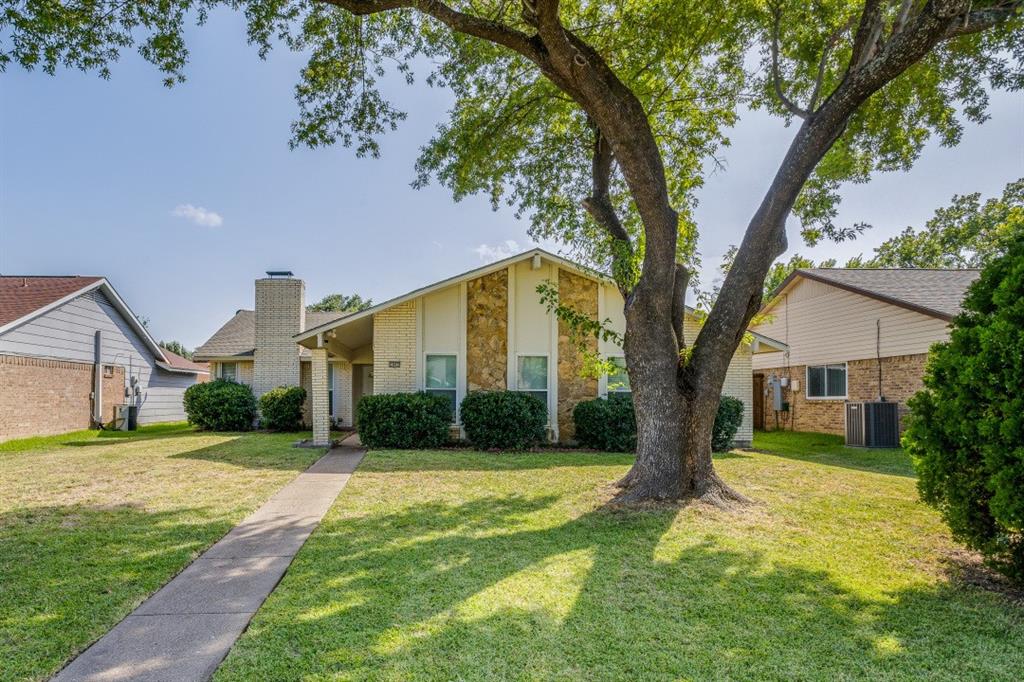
(280, 273)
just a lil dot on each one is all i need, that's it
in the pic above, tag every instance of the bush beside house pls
(504, 420)
(281, 408)
(220, 406)
(404, 420)
(610, 423)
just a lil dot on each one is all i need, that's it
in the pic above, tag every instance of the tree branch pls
(776, 80)
(983, 19)
(868, 31)
(823, 62)
(682, 281)
(599, 203)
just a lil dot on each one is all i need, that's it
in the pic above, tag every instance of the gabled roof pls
(24, 298)
(313, 330)
(937, 293)
(237, 338)
(177, 363)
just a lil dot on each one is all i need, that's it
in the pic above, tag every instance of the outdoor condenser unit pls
(873, 424)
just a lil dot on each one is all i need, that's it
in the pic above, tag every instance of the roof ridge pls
(900, 269)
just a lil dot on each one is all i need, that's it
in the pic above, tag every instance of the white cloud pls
(490, 254)
(198, 215)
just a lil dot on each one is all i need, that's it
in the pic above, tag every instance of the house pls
(71, 350)
(852, 334)
(485, 329)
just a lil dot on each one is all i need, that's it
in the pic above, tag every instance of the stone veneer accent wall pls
(902, 377)
(394, 342)
(41, 397)
(581, 294)
(487, 332)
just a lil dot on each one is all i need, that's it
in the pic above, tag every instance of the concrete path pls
(185, 630)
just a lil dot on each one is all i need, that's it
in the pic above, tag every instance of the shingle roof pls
(933, 292)
(21, 296)
(178, 362)
(237, 338)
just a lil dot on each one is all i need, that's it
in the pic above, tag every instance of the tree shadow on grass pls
(486, 590)
(69, 573)
(257, 452)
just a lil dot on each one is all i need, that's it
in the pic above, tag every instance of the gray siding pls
(67, 333)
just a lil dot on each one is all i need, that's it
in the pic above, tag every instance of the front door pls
(362, 384)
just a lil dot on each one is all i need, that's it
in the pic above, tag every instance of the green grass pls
(470, 566)
(93, 522)
(827, 449)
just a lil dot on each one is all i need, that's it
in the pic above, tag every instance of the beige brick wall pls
(343, 393)
(318, 381)
(902, 377)
(280, 314)
(43, 397)
(394, 349)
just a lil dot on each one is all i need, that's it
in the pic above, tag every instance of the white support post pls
(319, 398)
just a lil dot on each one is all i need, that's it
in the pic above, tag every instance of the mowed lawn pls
(93, 522)
(470, 566)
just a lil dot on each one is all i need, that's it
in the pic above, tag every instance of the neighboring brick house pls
(852, 334)
(483, 329)
(61, 339)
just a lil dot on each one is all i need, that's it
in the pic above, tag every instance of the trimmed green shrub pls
(220, 406)
(504, 420)
(727, 422)
(607, 424)
(966, 432)
(281, 408)
(404, 420)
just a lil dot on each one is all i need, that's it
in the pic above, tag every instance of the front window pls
(826, 381)
(618, 381)
(533, 376)
(228, 371)
(440, 379)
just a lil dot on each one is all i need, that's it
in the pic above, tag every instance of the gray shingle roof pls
(237, 338)
(934, 291)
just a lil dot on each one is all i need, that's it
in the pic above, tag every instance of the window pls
(826, 381)
(533, 376)
(330, 389)
(618, 382)
(440, 380)
(228, 371)
(108, 371)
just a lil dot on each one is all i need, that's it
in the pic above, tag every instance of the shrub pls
(281, 408)
(220, 406)
(727, 421)
(610, 423)
(966, 433)
(404, 420)
(607, 424)
(504, 420)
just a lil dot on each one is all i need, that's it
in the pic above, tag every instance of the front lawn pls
(469, 566)
(93, 522)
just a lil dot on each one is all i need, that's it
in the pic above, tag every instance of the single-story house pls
(852, 335)
(485, 329)
(71, 350)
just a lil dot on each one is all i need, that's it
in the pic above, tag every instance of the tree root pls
(719, 494)
(714, 492)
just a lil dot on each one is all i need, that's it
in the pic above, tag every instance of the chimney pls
(280, 314)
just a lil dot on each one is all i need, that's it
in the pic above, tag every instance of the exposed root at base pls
(715, 493)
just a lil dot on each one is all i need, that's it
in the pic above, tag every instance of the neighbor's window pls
(440, 380)
(228, 371)
(533, 376)
(826, 381)
(618, 381)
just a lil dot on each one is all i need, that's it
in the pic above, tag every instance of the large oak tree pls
(598, 120)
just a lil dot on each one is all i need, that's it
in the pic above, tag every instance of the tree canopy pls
(177, 347)
(340, 303)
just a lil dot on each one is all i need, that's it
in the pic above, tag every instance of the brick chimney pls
(280, 314)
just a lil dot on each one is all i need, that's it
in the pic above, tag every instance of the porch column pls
(319, 399)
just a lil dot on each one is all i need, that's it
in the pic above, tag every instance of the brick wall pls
(579, 293)
(901, 378)
(280, 314)
(394, 346)
(43, 397)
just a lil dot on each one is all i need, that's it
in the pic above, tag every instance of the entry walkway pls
(185, 630)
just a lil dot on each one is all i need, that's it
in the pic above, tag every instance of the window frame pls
(846, 381)
(547, 378)
(625, 370)
(454, 389)
(234, 371)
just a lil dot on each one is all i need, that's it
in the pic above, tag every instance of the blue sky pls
(92, 172)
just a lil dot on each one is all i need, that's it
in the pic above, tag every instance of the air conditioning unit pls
(873, 424)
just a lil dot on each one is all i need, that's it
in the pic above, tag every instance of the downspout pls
(97, 381)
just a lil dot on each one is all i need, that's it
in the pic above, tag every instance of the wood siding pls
(823, 324)
(67, 333)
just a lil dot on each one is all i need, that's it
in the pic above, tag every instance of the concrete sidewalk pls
(186, 629)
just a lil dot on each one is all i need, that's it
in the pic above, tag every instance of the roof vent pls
(280, 273)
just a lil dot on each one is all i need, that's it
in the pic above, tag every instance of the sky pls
(182, 197)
